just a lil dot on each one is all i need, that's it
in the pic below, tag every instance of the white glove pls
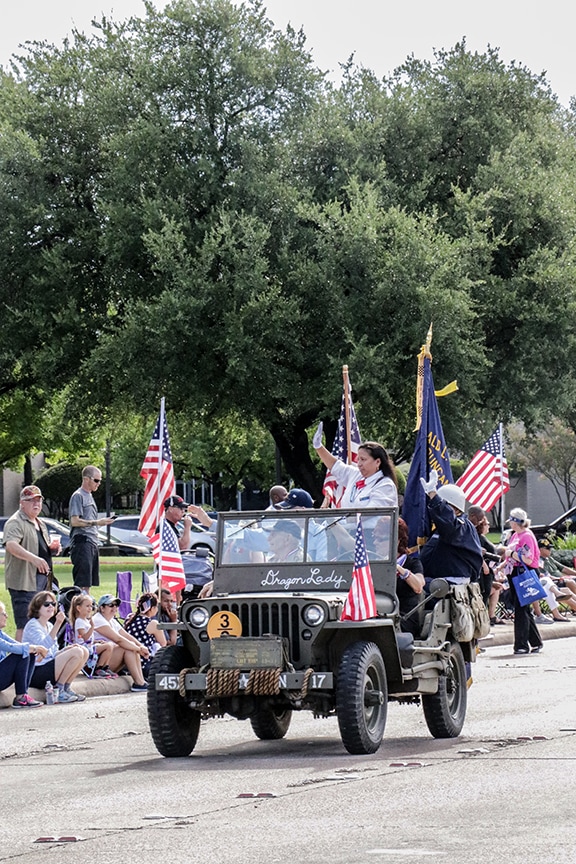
(430, 486)
(317, 439)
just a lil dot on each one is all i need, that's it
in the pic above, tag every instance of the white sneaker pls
(542, 619)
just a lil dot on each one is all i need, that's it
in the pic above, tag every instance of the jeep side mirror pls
(439, 588)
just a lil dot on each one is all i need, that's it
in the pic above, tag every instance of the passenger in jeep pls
(284, 542)
(453, 552)
(409, 573)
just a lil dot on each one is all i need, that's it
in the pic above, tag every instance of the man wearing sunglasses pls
(84, 522)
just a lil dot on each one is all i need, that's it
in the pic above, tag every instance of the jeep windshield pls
(291, 550)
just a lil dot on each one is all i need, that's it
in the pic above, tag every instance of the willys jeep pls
(269, 640)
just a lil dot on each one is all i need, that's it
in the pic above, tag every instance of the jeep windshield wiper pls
(243, 527)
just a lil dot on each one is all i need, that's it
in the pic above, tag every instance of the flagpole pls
(501, 435)
(159, 472)
(347, 413)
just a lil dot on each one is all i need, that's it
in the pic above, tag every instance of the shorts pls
(42, 674)
(20, 602)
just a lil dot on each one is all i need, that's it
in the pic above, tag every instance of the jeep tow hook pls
(373, 697)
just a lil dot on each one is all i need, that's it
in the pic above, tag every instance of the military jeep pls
(270, 639)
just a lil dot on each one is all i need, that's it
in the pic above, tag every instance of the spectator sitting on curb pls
(127, 650)
(100, 651)
(60, 666)
(143, 625)
(554, 569)
(17, 665)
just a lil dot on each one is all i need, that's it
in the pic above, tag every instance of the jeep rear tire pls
(270, 724)
(173, 725)
(361, 698)
(445, 711)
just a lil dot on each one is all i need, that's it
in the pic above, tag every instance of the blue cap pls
(297, 498)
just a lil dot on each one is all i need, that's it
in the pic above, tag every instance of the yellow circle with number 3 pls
(224, 624)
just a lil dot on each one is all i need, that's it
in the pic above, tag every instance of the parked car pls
(564, 524)
(126, 529)
(116, 546)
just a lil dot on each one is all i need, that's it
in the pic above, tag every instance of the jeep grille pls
(258, 619)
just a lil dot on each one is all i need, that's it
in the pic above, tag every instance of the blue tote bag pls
(528, 587)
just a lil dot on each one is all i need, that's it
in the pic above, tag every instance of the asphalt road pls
(503, 792)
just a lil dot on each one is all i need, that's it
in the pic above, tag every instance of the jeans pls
(16, 669)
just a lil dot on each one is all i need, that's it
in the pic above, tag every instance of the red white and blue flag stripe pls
(158, 472)
(486, 478)
(361, 601)
(331, 489)
(168, 558)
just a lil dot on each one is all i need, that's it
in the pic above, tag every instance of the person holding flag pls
(370, 483)
(158, 472)
(453, 552)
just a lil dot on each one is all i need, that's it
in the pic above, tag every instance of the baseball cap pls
(544, 543)
(297, 498)
(108, 600)
(30, 492)
(175, 501)
(288, 527)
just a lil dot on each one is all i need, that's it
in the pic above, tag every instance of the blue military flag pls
(430, 452)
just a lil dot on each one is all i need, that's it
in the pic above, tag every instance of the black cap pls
(175, 501)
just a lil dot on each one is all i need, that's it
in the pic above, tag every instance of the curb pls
(503, 634)
(85, 686)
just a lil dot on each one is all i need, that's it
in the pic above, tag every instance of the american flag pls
(168, 558)
(486, 477)
(361, 601)
(159, 474)
(331, 490)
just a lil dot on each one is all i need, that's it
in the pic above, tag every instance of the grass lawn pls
(108, 569)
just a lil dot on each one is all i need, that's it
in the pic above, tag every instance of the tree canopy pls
(191, 210)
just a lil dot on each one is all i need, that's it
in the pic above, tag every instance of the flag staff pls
(159, 482)
(346, 385)
(502, 493)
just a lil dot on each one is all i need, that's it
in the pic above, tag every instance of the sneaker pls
(65, 696)
(542, 619)
(522, 651)
(139, 688)
(537, 650)
(26, 701)
(79, 696)
(109, 672)
(102, 672)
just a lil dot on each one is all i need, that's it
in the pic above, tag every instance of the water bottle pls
(49, 689)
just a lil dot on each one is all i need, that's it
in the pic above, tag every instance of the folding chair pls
(149, 582)
(124, 592)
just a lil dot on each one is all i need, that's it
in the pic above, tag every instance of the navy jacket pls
(454, 549)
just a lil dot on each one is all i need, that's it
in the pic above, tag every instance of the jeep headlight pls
(199, 617)
(314, 615)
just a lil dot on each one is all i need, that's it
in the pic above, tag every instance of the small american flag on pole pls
(486, 478)
(361, 601)
(168, 558)
(331, 489)
(159, 474)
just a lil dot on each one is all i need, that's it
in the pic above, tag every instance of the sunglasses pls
(95, 481)
(49, 603)
(110, 605)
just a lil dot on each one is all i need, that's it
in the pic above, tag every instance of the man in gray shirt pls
(84, 522)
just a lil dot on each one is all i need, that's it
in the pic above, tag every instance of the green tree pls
(551, 452)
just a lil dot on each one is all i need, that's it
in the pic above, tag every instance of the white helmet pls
(454, 495)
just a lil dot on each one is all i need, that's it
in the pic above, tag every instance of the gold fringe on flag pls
(445, 391)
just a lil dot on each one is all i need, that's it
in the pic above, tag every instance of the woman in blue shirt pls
(17, 664)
